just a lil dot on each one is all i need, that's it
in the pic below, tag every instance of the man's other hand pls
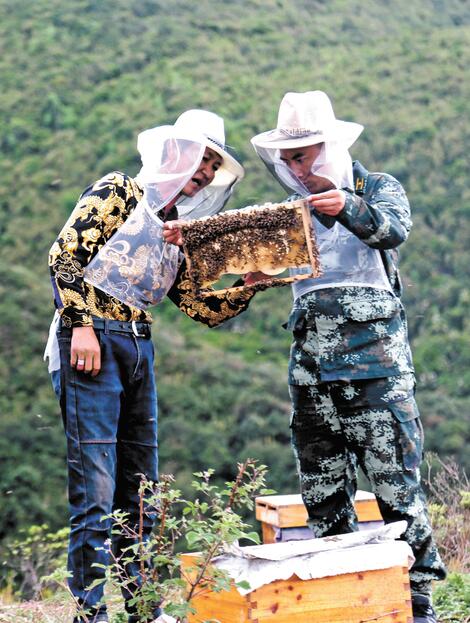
(330, 202)
(85, 352)
(172, 232)
(255, 277)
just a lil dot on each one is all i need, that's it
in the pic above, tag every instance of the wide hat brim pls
(208, 128)
(230, 164)
(343, 132)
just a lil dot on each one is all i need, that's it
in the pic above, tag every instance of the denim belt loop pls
(106, 326)
(135, 330)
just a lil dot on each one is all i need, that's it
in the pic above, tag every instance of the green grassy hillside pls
(81, 78)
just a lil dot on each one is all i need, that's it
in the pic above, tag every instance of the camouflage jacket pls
(352, 333)
(101, 210)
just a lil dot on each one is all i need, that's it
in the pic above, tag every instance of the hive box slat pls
(286, 511)
(379, 595)
(279, 513)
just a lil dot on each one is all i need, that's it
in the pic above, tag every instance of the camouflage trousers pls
(341, 425)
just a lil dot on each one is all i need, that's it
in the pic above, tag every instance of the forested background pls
(80, 79)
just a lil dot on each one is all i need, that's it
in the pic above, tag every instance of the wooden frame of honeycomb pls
(268, 238)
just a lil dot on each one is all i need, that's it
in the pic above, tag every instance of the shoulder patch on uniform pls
(360, 184)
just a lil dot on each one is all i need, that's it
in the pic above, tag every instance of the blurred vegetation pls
(34, 555)
(452, 599)
(449, 510)
(80, 79)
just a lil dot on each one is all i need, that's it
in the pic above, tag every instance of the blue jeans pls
(110, 423)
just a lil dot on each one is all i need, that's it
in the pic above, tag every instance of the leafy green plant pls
(29, 559)
(207, 525)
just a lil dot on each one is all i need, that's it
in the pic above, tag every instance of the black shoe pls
(423, 612)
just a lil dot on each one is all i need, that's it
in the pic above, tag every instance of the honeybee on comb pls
(269, 238)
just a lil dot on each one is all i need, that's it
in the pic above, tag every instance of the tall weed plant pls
(449, 508)
(207, 526)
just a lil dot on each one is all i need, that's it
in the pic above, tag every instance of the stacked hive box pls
(284, 517)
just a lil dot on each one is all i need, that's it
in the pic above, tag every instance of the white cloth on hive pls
(316, 558)
(165, 618)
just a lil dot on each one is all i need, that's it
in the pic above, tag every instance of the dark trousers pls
(337, 426)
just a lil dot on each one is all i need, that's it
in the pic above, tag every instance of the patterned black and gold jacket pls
(100, 211)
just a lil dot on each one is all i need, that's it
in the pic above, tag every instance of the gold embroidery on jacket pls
(90, 238)
(203, 310)
(67, 268)
(54, 253)
(72, 297)
(96, 217)
(70, 240)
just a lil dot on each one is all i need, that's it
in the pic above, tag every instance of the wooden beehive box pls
(288, 511)
(269, 238)
(381, 595)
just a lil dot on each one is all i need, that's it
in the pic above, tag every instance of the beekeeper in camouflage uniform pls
(351, 375)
